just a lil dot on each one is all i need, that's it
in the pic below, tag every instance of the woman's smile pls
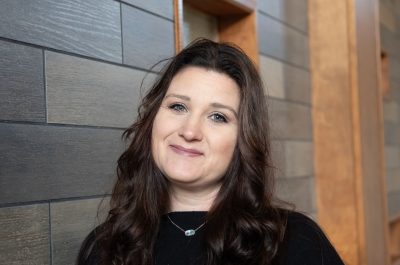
(190, 152)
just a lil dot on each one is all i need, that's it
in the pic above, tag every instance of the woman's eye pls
(217, 117)
(177, 107)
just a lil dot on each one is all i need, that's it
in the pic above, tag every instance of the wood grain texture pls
(24, 235)
(47, 162)
(87, 27)
(338, 209)
(285, 81)
(242, 31)
(299, 191)
(81, 91)
(290, 120)
(293, 13)
(282, 42)
(148, 42)
(162, 8)
(22, 96)
(348, 127)
(71, 222)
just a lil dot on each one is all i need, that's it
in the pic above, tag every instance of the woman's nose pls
(191, 129)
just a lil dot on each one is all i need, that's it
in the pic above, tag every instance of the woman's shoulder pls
(88, 253)
(305, 243)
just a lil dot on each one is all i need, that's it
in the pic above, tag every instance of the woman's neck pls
(182, 200)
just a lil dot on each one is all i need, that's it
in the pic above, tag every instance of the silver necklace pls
(189, 232)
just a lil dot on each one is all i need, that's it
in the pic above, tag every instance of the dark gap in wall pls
(50, 238)
(44, 85)
(122, 35)
(16, 204)
(62, 125)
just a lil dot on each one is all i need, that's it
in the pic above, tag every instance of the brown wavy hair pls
(244, 225)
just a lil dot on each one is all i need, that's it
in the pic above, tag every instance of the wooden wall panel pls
(332, 119)
(71, 222)
(81, 91)
(282, 42)
(290, 120)
(161, 8)
(285, 81)
(293, 13)
(22, 95)
(242, 31)
(87, 27)
(24, 235)
(156, 41)
(47, 162)
(348, 124)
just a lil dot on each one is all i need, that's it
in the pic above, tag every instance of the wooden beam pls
(178, 25)
(348, 124)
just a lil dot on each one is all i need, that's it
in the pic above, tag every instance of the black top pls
(304, 242)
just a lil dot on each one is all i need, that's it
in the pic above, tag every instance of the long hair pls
(244, 226)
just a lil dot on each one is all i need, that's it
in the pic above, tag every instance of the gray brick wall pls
(70, 74)
(390, 43)
(284, 67)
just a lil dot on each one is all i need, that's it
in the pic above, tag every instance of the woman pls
(195, 185)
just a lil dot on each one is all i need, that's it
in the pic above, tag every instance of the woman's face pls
(195, 130)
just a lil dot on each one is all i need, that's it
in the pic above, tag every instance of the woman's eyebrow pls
(219, 105)
(178, 96)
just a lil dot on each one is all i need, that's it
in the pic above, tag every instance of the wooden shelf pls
(224, 7)
(236, 22)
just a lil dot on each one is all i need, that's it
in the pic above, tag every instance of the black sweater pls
(304, 242)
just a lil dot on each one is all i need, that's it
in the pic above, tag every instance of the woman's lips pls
(185, 151)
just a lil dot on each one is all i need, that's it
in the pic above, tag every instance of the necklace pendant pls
(190, 232)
